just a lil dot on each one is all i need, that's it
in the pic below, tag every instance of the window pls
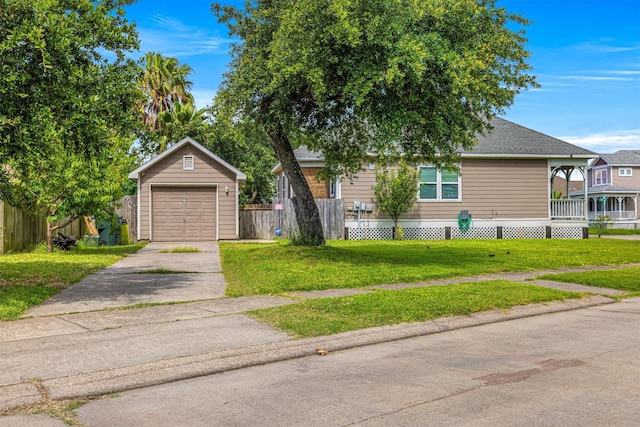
(600, 177)
(625, 172)
(439, 184)
(187, 163)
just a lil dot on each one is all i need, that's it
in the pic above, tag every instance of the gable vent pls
(187, 163)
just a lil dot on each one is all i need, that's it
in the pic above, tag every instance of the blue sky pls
(585, 54)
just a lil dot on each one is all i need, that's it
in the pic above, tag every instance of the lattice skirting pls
(424, 233)
(525, 233)
(566, 233)
(476, 233)
(370, 233)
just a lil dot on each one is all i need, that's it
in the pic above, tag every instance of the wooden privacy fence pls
(261, 222)
(19, 231)
(129, 212)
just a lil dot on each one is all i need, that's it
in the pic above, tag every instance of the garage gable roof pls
(136, 173)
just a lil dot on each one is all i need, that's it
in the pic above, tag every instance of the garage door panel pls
(208, 221)
(184, 214)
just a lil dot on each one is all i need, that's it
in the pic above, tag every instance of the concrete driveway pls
(126, 283)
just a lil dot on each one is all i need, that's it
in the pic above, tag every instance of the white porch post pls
(586, 196)
(621, 206)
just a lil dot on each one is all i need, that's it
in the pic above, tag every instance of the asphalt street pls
(574, 368)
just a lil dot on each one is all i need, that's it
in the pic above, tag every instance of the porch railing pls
(614, 215)
(567, 209)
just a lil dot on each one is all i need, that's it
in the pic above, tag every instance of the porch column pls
(586, 196)
(568, 172)
(621, 205)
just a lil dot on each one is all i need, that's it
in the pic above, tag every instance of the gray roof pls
(507, 139)
(510, 139)
(606, 189)
(304, 153)
(622, 158)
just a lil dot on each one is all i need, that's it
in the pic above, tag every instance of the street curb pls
(15, 395)
(181, 368)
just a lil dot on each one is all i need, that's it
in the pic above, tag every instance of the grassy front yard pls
(254, 269)
(260, 269)
(625, 279)
(326, 316)
(593, 232)
(27, 279)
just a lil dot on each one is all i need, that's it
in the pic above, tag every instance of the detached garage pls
(187, 194)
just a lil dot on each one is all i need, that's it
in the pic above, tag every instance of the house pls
(614, 188)
(560, 186)
(505, 184)
(187, 194)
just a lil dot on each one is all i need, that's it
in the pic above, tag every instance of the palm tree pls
(180, 121)
(165, 82)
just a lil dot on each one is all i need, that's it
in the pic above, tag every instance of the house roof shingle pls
(507, 139)
(511, 139)
(605, 189)
(622, 158)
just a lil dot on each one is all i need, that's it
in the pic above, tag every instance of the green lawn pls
(625, 279)
(593, 232)
(258, 269)
(180, 250)
(27, 279)
(325, 316)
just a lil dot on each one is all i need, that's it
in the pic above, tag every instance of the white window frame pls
(439, 184)
(625, 172)
(188, 162)
(598, 180)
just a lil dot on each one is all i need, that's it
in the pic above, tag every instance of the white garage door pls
(183, 214)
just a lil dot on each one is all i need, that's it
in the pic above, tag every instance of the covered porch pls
(616, 206)
(562, 205)
(618, 203)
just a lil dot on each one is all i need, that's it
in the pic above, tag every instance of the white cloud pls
(604, 46)
(607, 142)
(620, 72)
(597, 78)
(203, 98)
(171, 37)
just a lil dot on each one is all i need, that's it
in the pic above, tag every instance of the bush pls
(601, 223)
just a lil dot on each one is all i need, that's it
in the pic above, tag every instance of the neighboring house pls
(186, 194)
(560, 186)
(614, 187)
(505, 183)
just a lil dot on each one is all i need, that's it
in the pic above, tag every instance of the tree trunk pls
(49, 237)
(53, 227)
(307, 213)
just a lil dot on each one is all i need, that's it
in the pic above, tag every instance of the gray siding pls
(490, 189)
(206, 172)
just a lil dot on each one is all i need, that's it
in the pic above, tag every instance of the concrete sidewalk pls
(77, 345)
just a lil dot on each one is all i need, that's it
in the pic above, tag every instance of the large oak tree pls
(351, 77)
